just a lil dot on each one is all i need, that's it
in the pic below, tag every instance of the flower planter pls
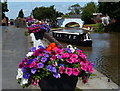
(39, 35)
(59, 84)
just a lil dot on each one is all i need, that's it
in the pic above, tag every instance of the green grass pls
(95, 25)
(77, 89)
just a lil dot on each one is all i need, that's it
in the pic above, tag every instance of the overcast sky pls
(14, 7)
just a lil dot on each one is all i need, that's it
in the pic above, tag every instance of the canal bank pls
(97, 81)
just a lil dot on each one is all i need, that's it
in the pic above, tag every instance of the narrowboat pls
(82, 39)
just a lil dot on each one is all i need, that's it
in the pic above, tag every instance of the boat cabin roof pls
(67, 32)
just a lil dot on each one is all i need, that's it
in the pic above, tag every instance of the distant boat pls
(82, 39)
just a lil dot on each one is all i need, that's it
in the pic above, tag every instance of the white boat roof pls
(67, 32)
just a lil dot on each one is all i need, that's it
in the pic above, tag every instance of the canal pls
(103, 53)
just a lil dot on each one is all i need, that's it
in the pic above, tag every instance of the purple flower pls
(49, 67)
(46, 51)
(40, 65)
(68, 50)
(61, 65)
(33, 49)
(45, 55)
(26, 75)
(24, 69)
(41, 47)
(34, 59)
(33, 70)
(30, 21)
(56, 75)
(44, 59)
(59, 56)
(53, 69)
(30, 61)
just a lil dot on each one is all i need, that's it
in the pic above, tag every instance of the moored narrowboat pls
(82, 39)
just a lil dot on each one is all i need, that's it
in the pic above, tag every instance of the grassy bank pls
(96, 27)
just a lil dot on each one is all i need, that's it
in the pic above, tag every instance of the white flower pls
(20, 74)
(56, 63)
(59, 75)
(24, 81)
(71, 48)
(29, 54)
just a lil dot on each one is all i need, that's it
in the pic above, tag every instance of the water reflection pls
(104, 53)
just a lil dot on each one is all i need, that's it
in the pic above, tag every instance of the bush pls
(99, 28)
(114, 27)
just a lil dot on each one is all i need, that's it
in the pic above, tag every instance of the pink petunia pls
(33, 64)
(83, 66)
(74, 60)
(53, 57)
(26, 65)
(84, 79)
(34, 83)
(65, 55)
(58, 51)
(24, 60)
(74, 56)
(83, 57)
(70, 60)
(90, 69)
(76, 71)
(62, 69)
(68, 71)
(79, 51)
(20, 65)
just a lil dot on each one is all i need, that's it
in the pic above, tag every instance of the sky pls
(15, 7)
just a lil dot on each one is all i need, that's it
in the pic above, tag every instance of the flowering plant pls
(29, 20)
(38, 27)
(52, 61)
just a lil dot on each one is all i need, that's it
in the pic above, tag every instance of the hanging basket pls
(39, 35)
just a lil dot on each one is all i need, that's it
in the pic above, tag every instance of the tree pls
(75, 9)
(87, 12)
(112, 9)
(46, 13)
(3, 9)
(21, 14)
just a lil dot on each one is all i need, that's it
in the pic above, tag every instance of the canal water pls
(103, 53)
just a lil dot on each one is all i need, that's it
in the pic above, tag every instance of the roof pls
(97, 13)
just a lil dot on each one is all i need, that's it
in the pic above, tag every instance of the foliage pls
(53, 61)
(75, 9)
(113, 27)
(99, 28)
(87, 12)
(110, 8)
(3, 9)
(43, 13)
(21, 14)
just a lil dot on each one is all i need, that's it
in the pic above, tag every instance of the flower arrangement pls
(53, 61)
(38, 27)
(29, 20)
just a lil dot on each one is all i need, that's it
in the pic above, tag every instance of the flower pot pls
(39, 35)
(58, 84)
